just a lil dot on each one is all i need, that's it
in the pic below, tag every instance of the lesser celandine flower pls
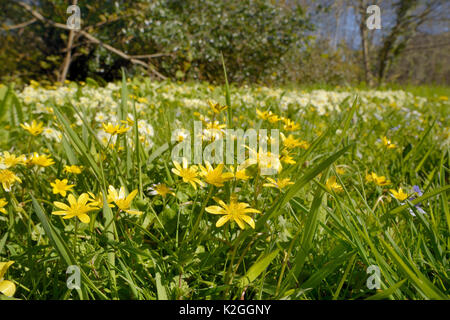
(331, 184)
(61, 187)
(189, 174)
(279, 184)
(304, 144)
(7, 178)
(399, 195)
(35, 128)
(122, 201)
(235, 211)
(40, 160)
(264, 115)
(286, 157)
(10, 160)
(3, 203)
(160, 189)
(215, 125)
(73, 169)
(216, 107)
(290, 125)
(290, 142)
(239, 174)
(97, 201)
(215, 177)
(378, 180)
(6, 287)
(113, 130)
(266, 161)
(76, 208)
(387, 143)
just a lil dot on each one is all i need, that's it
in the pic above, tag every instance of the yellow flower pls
(35, 128)
(378, 180)
(290, 142)
(239, 174)
(97, 201)
(6, 287)
(189, 174)
(113, 130)
(290, 125)
(387, 143)
(399, 195)
(10, 160)
(280, 184)
(73, 169)
(129, 122)
(161, 189)
(43, 161)
(3, 203)
(7, 178)
(273, 118)
(215, 125)
(264, 115)
(286, 157)
(215, 177)
(122, 201)
(266, 161)
(340, 170)
(304, 145)
(235, 211)
(61, 187)
(333, 185)
(78, 208)
(216, 108)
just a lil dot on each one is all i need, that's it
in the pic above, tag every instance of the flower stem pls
(202, 210)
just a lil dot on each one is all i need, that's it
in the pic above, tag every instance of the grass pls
(309, 242)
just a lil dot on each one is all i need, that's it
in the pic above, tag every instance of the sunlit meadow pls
(87, 179)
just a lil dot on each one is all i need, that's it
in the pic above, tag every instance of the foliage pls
(253, 37)
(313, 239)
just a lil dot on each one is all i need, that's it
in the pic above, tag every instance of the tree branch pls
(20, 25)
(91, 38)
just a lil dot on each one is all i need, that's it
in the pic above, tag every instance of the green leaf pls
(385, 294)
(257, 268)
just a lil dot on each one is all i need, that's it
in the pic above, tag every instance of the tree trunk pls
(365, 44)
(68, 58)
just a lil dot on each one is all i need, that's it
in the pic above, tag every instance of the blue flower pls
(417, 190)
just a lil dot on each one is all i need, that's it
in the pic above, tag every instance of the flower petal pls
(215, 210)
(84, 218)
(249, 220)
(7, 288)
(222, 221)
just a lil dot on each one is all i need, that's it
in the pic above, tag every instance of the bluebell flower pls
(418, 207)
(416, 189)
